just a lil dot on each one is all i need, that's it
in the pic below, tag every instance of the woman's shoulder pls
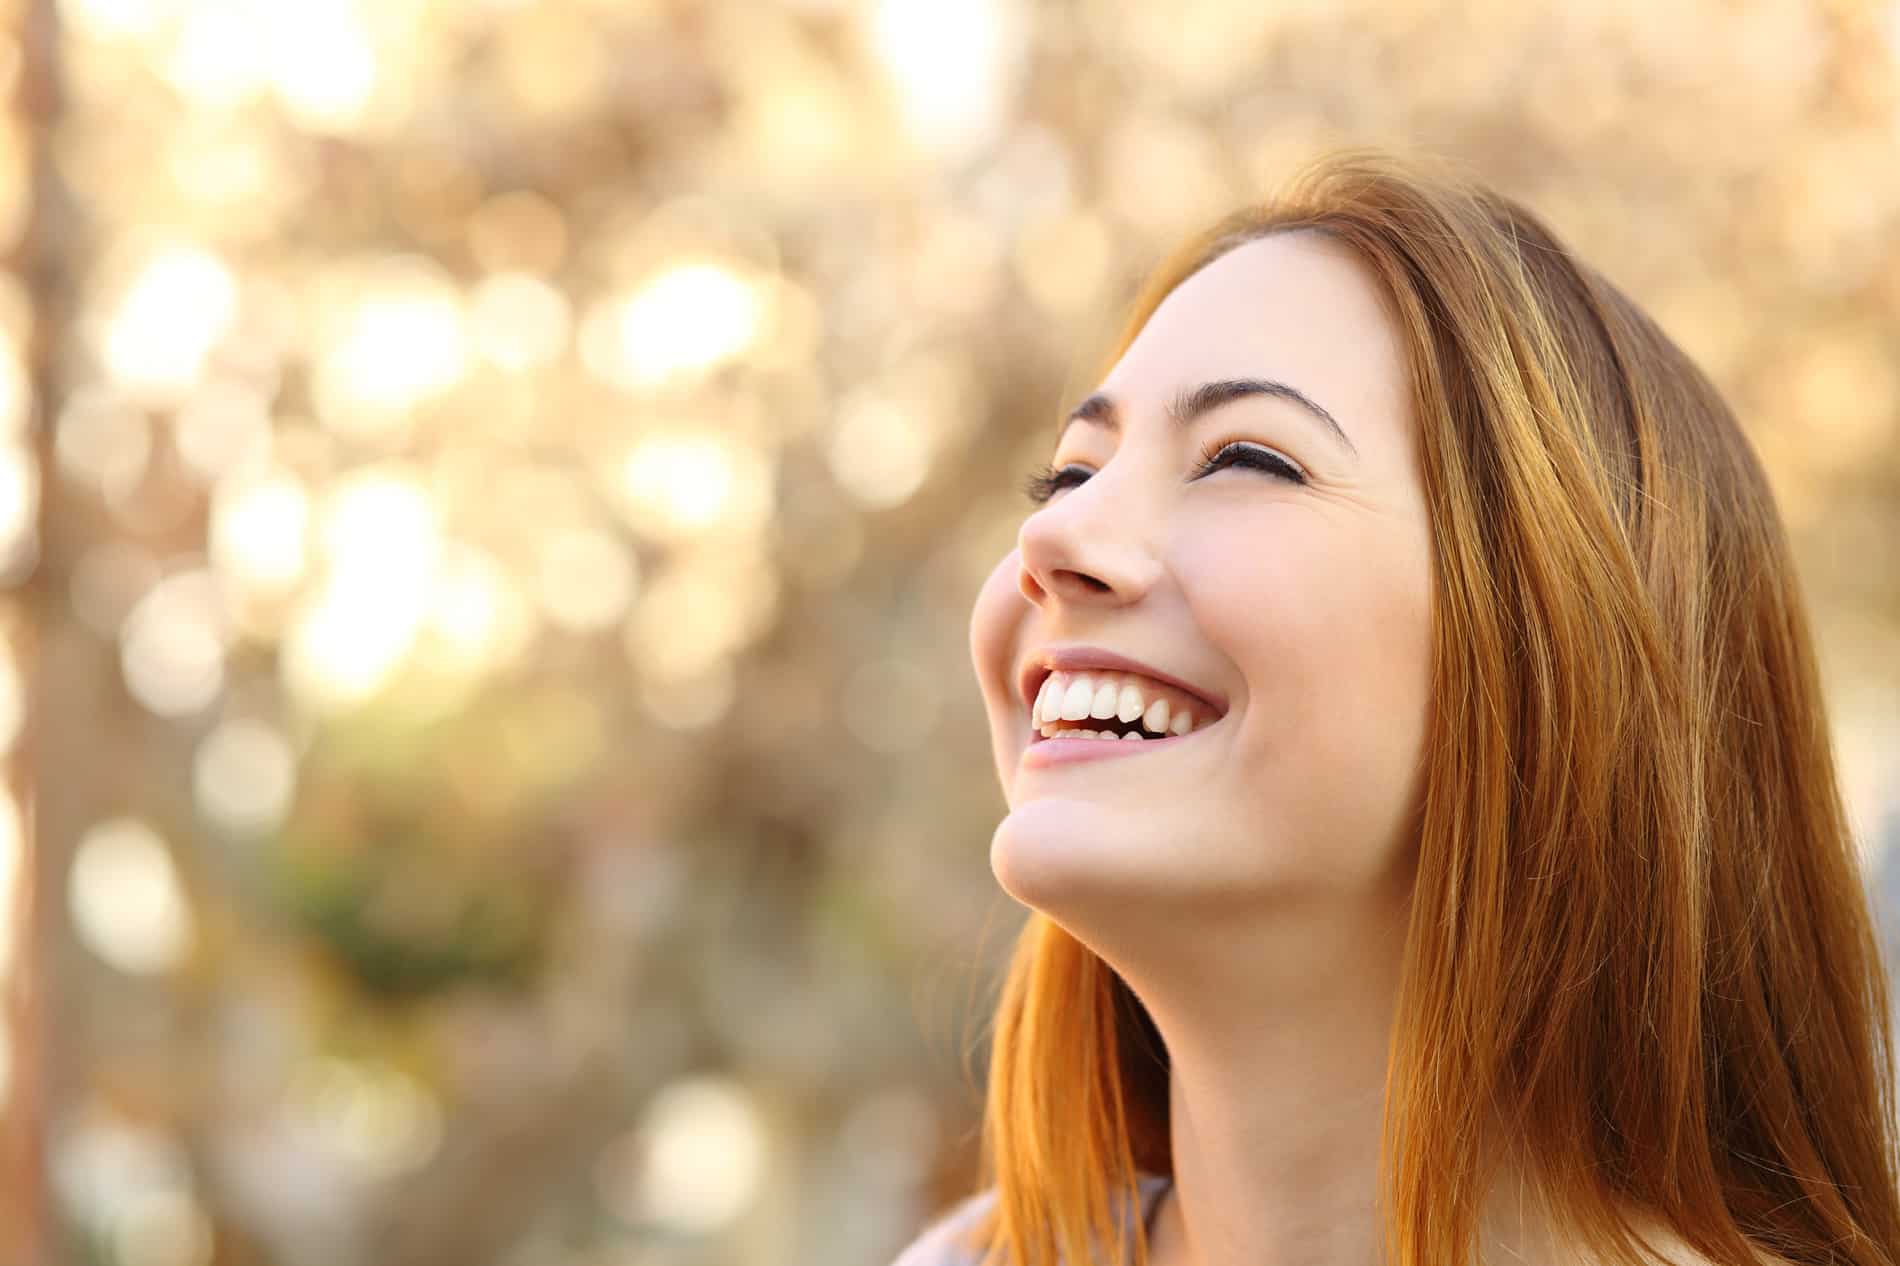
(945, 1241)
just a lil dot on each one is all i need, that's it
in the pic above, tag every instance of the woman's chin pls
(1055, 852)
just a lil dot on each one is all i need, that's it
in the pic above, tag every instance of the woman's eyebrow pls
(1191, 403)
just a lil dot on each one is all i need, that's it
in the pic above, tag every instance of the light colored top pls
(940, 1245)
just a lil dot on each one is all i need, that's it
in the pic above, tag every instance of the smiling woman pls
(1495, 900)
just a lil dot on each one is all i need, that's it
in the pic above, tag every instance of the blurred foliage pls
(510, 482)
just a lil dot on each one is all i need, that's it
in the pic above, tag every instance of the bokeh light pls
(243, 775)
(104, 442)
(478, 616)
(686, 483)
(19, 504)
(585, 579)
(260, 530)
(519, 321)
(175, 309)
(376, 1118)
(950, 66)
(223, 428)
(694, 1162)
(683, 322)
(126, 900)
(173, 644)
(16, 392)
(381, 543)
(130, 1186)
(395, 340)
(880, 452)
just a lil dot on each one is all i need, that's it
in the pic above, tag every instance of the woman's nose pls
(1089, 546)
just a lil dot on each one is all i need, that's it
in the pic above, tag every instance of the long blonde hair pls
(1639, 934)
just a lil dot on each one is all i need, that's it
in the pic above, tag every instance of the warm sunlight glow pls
(585, 580)
(19, 499)
(173, 643)
(477, 616)
(381, 541)
(224, 427)
(173, 313)
(519, 322)
(243, 775)
(701, 1155)
(258, 531)
(685, 321)
(401, 343)
(125, 899)
(947, 64)
(687, 483)
(322, 62)
(16, 390)
(879, 452)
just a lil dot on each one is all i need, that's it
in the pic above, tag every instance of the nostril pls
(1083, 582)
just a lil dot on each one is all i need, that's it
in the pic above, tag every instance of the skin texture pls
(1252, 885)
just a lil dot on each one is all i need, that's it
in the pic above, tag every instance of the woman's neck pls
(1276, 1097)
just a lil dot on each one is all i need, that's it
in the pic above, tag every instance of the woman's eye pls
(1215, 456)
(1045, 481)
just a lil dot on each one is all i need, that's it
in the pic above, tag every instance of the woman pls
(1456, 871)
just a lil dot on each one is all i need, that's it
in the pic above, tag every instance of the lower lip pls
(1067, 751)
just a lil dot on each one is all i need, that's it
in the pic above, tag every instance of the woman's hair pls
(1639, 940)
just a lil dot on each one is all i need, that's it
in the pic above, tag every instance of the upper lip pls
(1049, 659)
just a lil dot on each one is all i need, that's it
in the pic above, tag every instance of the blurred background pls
(491, 493)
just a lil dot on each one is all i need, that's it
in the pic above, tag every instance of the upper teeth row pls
(1124, 696)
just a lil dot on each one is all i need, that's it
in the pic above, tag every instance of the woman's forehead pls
(1286, 290)
(1297, 307)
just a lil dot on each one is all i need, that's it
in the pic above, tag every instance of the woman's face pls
(1297, 612)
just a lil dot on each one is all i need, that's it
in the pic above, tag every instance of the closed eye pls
(1045, 482)
(1241, 453)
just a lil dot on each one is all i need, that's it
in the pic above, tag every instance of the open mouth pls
(1114, 707)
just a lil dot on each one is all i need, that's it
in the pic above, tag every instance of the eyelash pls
(1045, 481)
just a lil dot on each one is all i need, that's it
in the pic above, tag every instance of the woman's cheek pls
(995, 630)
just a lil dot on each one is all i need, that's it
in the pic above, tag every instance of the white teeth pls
(1134, 736)
(1065, 697)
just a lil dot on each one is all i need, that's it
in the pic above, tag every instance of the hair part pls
(1639, 930)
